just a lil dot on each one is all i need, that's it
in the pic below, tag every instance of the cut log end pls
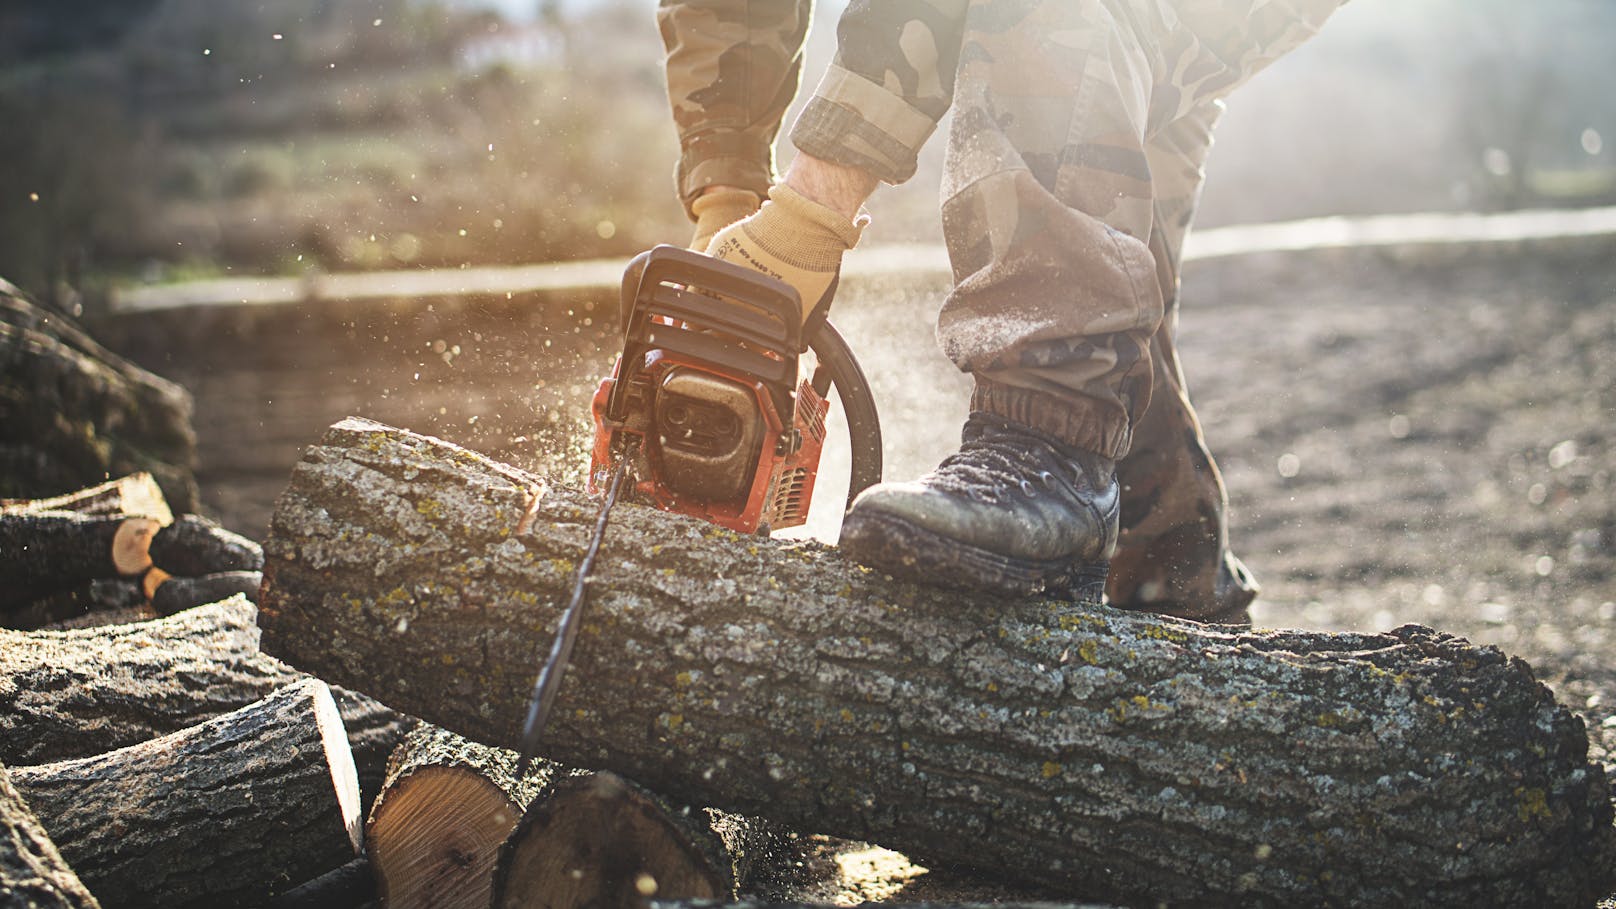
(437, 839)
(596, 841)
(131, 545)
(344, 775)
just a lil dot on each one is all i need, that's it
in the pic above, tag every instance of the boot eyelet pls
(1026, 488)
(1047, 478)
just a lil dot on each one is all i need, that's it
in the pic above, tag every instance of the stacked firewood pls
(151, 755)
(168, 760)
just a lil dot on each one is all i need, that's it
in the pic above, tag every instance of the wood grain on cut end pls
(131, 545)
(596, 841)
(135, 494)
(434, 838)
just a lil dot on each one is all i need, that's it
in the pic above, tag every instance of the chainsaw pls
(716, 407)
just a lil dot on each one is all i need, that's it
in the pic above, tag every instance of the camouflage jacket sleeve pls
(733, 68)
(893, 79)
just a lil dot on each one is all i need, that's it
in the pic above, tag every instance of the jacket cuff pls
(858, 123)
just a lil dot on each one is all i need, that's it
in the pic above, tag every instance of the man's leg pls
(1050, 207)
(1172, 554)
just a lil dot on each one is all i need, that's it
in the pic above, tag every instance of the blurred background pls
(160, 140)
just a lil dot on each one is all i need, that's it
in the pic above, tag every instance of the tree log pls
(227, 813)
(73, 413)
(764, 904)
(110, 599)
(75, 694)
(444, 810)
(194, 546)
(170, 594)
(135, 494)
(352, 885)
(103, 601)
(596, 839)
(49, 551)
(1108, 754)
(32, 872)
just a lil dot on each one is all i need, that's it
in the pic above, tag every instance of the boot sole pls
(911, 552)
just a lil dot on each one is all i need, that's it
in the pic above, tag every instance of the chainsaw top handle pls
(663, 309)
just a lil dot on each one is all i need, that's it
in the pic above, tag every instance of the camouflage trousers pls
(1075, 159)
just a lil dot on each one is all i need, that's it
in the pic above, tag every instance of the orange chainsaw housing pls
(782, 482)
(715, 399)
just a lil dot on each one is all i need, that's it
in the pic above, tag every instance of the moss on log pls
(1110, 755)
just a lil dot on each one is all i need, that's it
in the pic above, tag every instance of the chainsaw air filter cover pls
(710, 434)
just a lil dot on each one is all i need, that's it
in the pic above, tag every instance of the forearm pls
(841, 188)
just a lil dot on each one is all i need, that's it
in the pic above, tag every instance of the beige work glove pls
(719, 209)
(794, 239)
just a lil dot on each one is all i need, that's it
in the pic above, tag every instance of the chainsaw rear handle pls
(835, 356)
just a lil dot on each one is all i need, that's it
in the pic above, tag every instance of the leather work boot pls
(1013, 511)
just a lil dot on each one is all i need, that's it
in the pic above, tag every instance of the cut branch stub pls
(1109, 754)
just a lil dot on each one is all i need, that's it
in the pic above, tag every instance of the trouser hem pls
(1078, 421)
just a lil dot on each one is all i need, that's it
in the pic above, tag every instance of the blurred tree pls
(1532, 78)
(30, 31)
(68, 185)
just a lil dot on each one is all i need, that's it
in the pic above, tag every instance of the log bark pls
(135, 494)
(884, 904)
(227, 813)
(176, 594)
(73, 413)
(1108, 754)
(103, 601)
(194, 546)
(100, 600)
(75, 694)
(353, 885)
(32, 872)
(446, 807)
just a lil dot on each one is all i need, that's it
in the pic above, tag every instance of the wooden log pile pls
(1067, 748)
(73, 413)
(159, 758)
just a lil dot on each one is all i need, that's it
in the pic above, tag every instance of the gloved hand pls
(794, 239)
(718, 209)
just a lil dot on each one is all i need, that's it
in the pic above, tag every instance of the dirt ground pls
(1415, 435)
